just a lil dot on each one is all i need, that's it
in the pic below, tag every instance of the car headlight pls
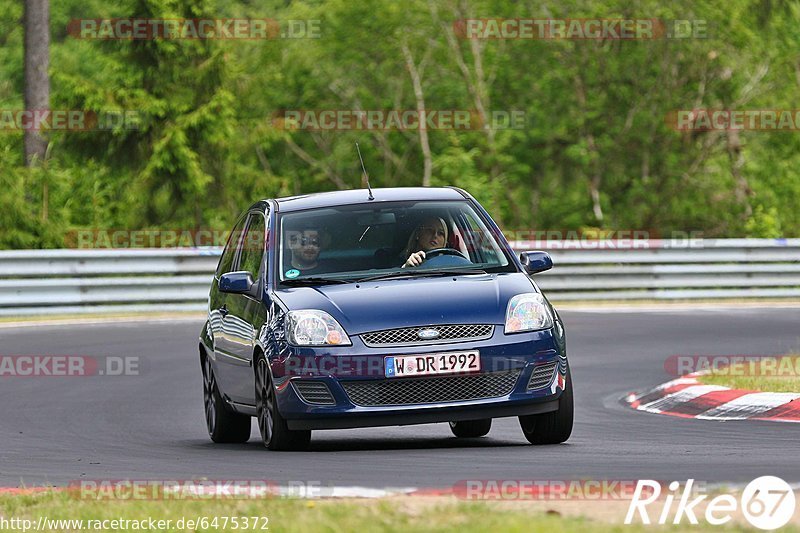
(527, 312)
(311, 327)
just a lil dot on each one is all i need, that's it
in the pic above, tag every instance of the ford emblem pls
(428, 334)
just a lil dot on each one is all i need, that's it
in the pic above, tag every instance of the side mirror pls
(535, 262)
(236, 282)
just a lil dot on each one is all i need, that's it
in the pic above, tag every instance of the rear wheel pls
(275, 432)
(554, 427)
(471, 428)
(223, 424)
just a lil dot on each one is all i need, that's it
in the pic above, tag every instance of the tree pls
(37, 81)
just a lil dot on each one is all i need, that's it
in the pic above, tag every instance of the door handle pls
(223, 311)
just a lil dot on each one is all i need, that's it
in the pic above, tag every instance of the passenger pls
(431, 233)
(304, 247)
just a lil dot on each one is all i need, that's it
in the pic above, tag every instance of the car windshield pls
(359, 242)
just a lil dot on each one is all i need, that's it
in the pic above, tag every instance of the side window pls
(253, 245)
(226, 261)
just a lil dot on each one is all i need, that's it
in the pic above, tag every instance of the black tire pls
(467, 429)
(223, 424)
(275, 433)
(554, 427)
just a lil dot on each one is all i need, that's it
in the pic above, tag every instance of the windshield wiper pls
(387, 275)
(453, 271)
(423, 273)
(301, 282)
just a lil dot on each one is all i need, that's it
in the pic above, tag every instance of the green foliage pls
(764, 223)
(24, 223)
(595, 149)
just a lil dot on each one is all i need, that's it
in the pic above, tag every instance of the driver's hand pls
(414, 259)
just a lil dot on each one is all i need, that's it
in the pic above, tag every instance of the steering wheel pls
(436, 252)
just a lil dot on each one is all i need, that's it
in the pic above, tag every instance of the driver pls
(431, 233)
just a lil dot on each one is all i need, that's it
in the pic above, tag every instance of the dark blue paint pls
(535, 262)
(253, 320)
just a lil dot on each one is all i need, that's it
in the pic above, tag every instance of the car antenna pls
(366, 176)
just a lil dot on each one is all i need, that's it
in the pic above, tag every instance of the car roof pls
(361, 196)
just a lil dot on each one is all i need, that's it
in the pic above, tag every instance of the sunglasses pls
(305, 241)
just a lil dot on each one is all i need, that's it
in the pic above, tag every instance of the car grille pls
(406, 391)
(542, 376)
(314, 392)
(447, 333)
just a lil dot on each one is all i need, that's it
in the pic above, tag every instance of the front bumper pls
(424, 415)
(332, 366)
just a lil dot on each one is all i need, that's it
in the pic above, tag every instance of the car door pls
(245, 312)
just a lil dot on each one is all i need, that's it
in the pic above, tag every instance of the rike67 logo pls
(767, 502)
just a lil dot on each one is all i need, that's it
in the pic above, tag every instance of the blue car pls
(379, 307)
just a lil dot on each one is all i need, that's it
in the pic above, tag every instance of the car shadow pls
(323, 444)
(339, 444)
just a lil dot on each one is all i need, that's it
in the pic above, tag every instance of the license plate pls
(429, 364)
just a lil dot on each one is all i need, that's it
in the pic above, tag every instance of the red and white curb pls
(688, 398)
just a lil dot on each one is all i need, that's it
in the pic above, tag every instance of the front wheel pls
(275, 432)
(224, 425)
(471, 428)
(554, 427)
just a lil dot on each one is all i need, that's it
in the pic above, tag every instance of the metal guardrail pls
(35, 282)
(708, 269)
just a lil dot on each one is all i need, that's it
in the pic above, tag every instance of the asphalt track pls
(151, 426)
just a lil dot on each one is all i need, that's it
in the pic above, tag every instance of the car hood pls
(397, 303)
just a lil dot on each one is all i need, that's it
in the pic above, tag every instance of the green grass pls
(401, 513)
(774, 374)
